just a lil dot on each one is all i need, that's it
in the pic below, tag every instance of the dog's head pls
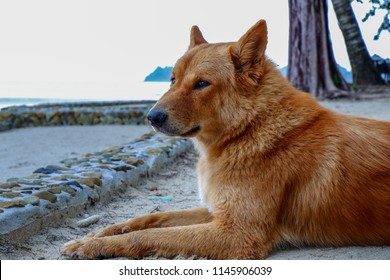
(211, 85)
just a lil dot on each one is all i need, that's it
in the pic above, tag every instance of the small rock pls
(46, 170)
(51, 169)
(31, 200)
(88, 221)
(123, 168)
(88, 155)
(9, 185)
(85, 164)
(113, 149)
(34, 176)
(13, 180)
(145, 137)
(154, 151)
(90, 182)
(59, 178)
(104, 167)
(11, 204)
(46, 196)
(70, 118)
(32, 188)
(134, 161)
(57, 189)
(4, 115)
(116, 158)
(92, 175)
(73, 183)
(1, 211)
(57, 167)
(10, 195)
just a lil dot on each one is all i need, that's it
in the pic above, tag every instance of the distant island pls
(164, 74)
(160, 75)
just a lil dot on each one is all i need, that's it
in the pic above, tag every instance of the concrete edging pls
(31, 203)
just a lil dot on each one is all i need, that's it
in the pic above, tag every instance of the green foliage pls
(375, 6)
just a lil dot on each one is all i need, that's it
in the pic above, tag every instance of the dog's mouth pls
(191, 132)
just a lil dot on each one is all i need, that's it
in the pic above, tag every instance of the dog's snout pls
(157, 117)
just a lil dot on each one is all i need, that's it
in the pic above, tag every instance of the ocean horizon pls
(35, 93)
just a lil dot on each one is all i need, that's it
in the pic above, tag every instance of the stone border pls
(87, 113)
(30, 203)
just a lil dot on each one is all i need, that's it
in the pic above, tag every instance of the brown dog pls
(275, 167)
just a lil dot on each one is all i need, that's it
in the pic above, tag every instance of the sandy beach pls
(24, 150)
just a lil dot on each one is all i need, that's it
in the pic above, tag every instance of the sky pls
(121, 40)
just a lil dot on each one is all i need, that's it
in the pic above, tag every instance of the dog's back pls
(338, 191)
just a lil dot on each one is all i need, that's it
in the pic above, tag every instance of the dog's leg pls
(211, 240)
(162, 219)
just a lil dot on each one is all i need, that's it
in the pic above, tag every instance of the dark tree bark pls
(364, 71)
(311, 64)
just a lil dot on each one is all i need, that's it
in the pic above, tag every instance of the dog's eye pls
(201, 85)
(173, 80)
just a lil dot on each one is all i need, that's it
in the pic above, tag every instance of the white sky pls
(124, 40)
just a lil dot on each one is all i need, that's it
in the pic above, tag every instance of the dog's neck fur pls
(264, 124)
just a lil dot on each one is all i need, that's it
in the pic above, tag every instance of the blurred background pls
(53, 50)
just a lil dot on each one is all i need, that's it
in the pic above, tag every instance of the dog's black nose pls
(157, 117)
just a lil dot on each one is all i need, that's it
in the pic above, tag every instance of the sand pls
(22, 151)
(177, 181)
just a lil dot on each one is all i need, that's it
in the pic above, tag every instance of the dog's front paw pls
(83, 249)
(110, 231)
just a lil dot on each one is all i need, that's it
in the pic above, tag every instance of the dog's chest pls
(204, 179)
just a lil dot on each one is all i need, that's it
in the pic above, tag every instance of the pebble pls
(72, 183)
(19, 202)
(10, 195)
(11, 204)
(46, 195)
(4, 115)
(134, 161)
(88, 221)
(154, 151)
(113, 149)
(61, 178)
(57, 189)
(31, 200)
(90, 182)
(50, 169)
(123, 168)
(92, 175)
(9, 185)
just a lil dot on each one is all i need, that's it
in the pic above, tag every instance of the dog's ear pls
(250, 49)
(196, 37)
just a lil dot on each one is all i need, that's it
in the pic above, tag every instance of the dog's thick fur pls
(274, 166)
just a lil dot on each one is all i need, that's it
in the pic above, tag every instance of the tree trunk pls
(364, 71)
(311, 64)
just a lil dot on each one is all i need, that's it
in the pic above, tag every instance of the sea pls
(34, 93)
